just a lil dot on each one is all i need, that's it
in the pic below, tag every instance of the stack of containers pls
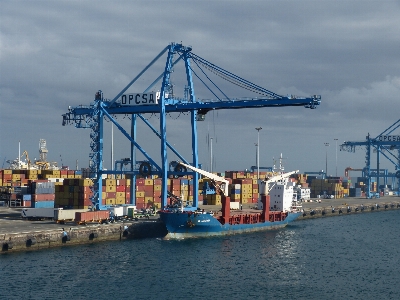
(255, 190)
(42, 194)
(157, 192)
(32, 174)
(111, 191)
(85, 192)
(7, 177)
(148, 192)
(235, 190)
(246, 194)
(140, 200)
(127, 191)
(120, 197)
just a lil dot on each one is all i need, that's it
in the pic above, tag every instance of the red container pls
(120, 188)
(139, 182)
(140, 188)
(139, 200)
(26, 203)
(140, 205)
(148, 194)
(92, 216)
(148, 188)
(43, 197)
(111, 195)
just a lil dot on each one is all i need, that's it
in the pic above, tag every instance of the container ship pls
(274, 211)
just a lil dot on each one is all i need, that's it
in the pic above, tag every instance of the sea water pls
(348, 257)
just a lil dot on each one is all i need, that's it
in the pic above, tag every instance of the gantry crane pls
(162, 102)
(386, 144)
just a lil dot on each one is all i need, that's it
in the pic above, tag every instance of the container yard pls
(67, 189)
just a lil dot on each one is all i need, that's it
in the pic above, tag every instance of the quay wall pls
(41, 239)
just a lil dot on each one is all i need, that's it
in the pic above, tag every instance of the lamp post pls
(326, 159)
(258, 151)
(255, 144)
(211, 156)
(336, 153)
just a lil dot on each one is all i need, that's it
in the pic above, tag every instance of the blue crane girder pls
(92, 116)
(385, 144)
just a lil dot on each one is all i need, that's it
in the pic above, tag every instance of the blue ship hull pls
(184, 225)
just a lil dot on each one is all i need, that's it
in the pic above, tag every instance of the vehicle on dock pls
(62, 216)
(184, 222)
(97, 216)
(39, 213)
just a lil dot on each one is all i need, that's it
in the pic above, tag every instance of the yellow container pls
(85, 182)
(119, 201)
(110, 201)
(111, 188)
(140, 194)
(111, 182)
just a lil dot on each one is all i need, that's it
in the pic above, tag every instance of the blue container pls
(27, 197)
(42, 204)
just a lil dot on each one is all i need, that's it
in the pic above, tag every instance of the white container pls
(62, 215)
(39, 213)
(234, 205)
(116, 211)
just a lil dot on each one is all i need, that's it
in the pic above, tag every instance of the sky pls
(55, 54)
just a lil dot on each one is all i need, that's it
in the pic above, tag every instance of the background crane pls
(386, 144)
(162, 102)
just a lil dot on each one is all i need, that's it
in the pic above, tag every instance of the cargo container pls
(116, 211)
(66, 215)
(98, 216)
(38, 213)
(42, 204)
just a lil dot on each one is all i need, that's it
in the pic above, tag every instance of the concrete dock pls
(17, 234)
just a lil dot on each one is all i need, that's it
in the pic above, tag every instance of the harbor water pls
(350, 257)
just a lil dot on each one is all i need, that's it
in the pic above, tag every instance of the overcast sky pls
(55, 54)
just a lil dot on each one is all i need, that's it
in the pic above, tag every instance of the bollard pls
(93, 235)
(30, 242)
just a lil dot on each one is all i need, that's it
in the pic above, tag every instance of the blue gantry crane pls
(162, 102)
(386, 144)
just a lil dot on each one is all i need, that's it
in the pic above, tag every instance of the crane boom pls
(223, 183)
(263, 189)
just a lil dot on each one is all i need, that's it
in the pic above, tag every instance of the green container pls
(131, 212)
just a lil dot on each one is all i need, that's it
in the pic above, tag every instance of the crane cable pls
(233, 78)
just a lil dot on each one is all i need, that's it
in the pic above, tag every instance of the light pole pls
(258, 151)
(326, 159)
(211, 156)
(255, 144)
(336, 153)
